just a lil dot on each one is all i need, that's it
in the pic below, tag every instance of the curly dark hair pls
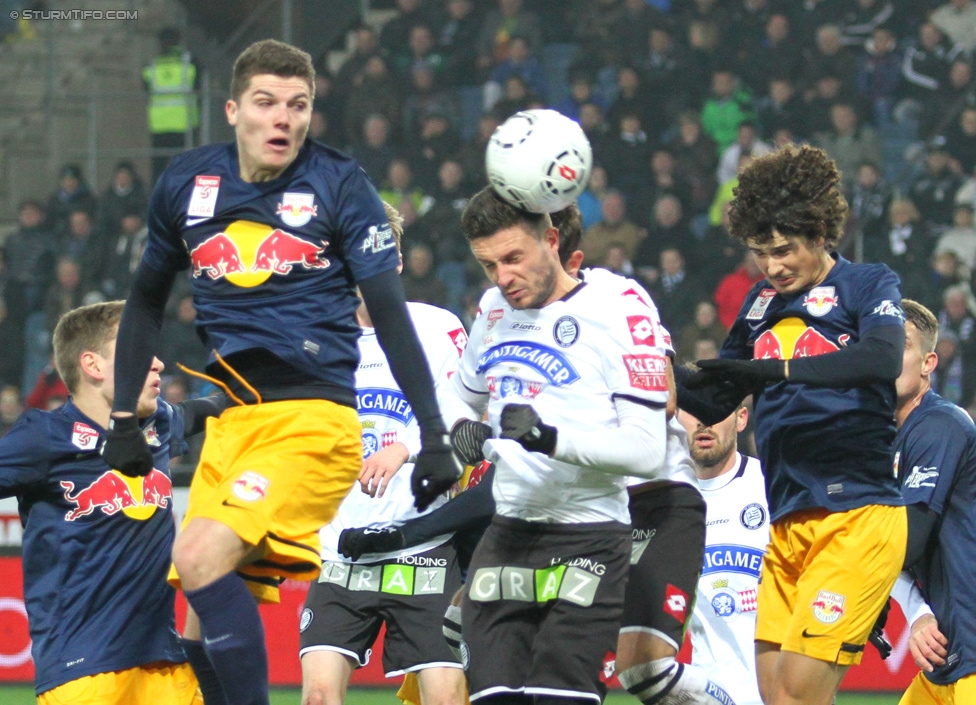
(794, 191)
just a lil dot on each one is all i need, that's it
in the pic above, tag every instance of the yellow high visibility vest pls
(172, 104)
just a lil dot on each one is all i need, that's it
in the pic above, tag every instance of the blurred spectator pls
(948, 99)
(83, 243)
(706, 55)
(664, 80)
(590, 202)
(364, 47)
(125, 193)
(709, 11)
(580, 93)
(696, 158)
(119, 257)
(728, 106)
(934, 190)
(774, 54)
(11, 351)
(828, 57)
(706, 349)
(848, 143)
(594, 127)
(458, 40)
(664, 181)
(726, 192)
(961, 239)
(960, 141)
(472, 153)
(179, 341)
(924, 69)
(668, 229)
(616, 261)
(419, 281)
(631, 99)
(399, 186)
(595, 24)
(749, 20)
(674, 291)
(927, 285)
(436, 142)
(705, 326)
(634, 25)
(374, 92)
(717, 253)
(615, 228)
(29, 254)
(423, 53)
(733, 288)
(516, 96)
(49, 392)
(174, 107)
(747, 143)
(500, 25)
(955, 377)
(957, 19)
(376, 150)
(521, 62)
(906, 243)
(826, 92)
(809, 16)
(65, 294)
(395, 37)
(781, 108)
(861, 18)
(72, 194)
(879, 74)
(329, 106)
(10, 407)
(626, 155)
(967, 191)
(869, 203)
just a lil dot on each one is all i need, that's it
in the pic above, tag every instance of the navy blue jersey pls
(96, 544)
(935, 458)
(274, 264)
(822, 446)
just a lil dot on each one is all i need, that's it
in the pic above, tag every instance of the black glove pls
(353, 543)
(467, 438)
(125, 448)
(435, 471)
(877, 636)
(521, 423)
(753, 373)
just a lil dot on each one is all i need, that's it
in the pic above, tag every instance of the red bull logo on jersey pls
(820, 300)
(84, 436)
(828, 607)
(112, 492)
(247, 254)
(296, 209)
(791, 338)
(251, 486)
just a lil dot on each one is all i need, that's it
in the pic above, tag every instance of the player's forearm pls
(197, 411)
(909, 598)
(877, 357)
(469, 510)
(634, 448)
(138, 337)
(384, 299)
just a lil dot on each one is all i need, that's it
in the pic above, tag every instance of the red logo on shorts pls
(676, 602)
(609, 673)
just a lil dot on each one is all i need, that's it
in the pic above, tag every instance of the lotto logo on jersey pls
(647, 372)
(676, 602)
(641, 330)
(460, 339)
(828, 607)
(84, 436)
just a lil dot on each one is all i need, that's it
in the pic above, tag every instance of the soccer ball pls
(539, 160)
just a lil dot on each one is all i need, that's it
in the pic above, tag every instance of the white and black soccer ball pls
(539, 160)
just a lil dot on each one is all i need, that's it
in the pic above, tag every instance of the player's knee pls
(319, 693)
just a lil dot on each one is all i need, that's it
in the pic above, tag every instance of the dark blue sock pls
(233, 637)
(213, 694)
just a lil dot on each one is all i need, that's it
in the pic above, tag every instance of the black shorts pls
(669, 547)
(542, 607)
(345, 609)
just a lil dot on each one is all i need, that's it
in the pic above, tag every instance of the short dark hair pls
(487, 213)
(273, 57)
(794, 190)
(924, 321)
(86, 329)
(569, 223)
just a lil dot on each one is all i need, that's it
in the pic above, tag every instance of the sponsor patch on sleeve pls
(647, 372)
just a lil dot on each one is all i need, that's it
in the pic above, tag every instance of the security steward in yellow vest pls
(174, 115)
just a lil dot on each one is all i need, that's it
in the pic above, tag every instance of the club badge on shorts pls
(828, 607)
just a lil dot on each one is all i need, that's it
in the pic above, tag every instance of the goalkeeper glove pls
(877, 636)
(467, 439)
(435, 471)
(353, 543)
(125, 448)
(521, 423)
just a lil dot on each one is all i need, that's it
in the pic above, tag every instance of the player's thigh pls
(325, 676)
(776, 593)
(767, 660)
(666, 560)
(849, 571)
(337, 620)
(442, 686)
(804, 679)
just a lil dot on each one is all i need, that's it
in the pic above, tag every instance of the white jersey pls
(723, 624)
(678, 465)
(568, 360)
(387, 418)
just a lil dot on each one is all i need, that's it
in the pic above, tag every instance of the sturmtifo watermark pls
(36, 15)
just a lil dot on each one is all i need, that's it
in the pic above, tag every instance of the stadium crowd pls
(675, 95)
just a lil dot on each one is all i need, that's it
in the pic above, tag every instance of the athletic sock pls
(667, 682)
(233, 637)
(196, 654)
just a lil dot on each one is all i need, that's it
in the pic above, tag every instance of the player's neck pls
(91, 403)
(904, 409)
(564, 285)
(719, 469)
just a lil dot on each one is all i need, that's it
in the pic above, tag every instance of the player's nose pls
(157, 366)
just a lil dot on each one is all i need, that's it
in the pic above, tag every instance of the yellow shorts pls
(923, 692)
(409, 691)
(276, 473)
(159, 683)
(826, 576)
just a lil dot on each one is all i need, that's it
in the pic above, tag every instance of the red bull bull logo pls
(820, 300)
(791, 338)
(251, 486)
(112, 493)
(828, 607)
(296, 209)
(247, 254)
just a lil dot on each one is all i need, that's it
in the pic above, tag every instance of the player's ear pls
(231, 109)
(741, 419)
(929, 363)
(93, 365)
(574, 263)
